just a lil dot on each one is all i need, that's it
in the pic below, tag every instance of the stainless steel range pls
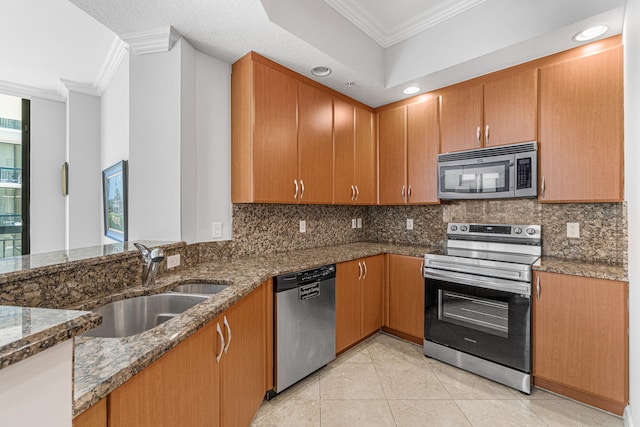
(478, 301)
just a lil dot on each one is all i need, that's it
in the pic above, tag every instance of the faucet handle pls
(145, 251)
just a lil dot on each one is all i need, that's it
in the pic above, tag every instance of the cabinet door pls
(243, 364)
(275, 144)
(348, 303)
(581, 129)
(180, 388)
(510, 113)
(372, 288)
(96, 416)
(406, 295)
(461, 124)
(423, 146)
(392, 148)
(580, 334)
(344, 143)
(365, 160)
(315, 145)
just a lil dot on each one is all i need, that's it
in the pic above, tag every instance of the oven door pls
(492, 323)
(476, 178)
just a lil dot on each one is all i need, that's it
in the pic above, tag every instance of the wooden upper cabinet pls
(315, 145)
(510, 108)
(345, 151)
(580, 338)
(461, 119)
(365, 158)
(392, 151)
(264, 146)
(422, 151)
(581, 129)
(497, 111)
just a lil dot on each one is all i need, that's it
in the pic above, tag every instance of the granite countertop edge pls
(103, 364)
(44, 339)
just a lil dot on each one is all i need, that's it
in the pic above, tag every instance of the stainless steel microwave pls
(489, 173)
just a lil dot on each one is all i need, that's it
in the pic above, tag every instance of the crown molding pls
(386, 37)
(152, 41)
(65, 86)
(28, 92)
(115, 56)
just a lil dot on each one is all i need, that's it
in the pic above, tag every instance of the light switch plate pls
(216, 230)
(354, 223)
(303, 226)
(359, 223)
(573, 230)
(173, 261)
(409, 224)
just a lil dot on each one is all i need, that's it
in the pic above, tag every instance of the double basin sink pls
(139, 314)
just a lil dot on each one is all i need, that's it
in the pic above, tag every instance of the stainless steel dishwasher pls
(305, 324)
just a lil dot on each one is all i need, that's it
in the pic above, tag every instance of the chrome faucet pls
(152, 259)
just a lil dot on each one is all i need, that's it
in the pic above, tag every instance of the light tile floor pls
(385, 381)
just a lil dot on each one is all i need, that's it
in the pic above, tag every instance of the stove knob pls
(463, 228)
(453, 227)
(531, 231)
(518, 230)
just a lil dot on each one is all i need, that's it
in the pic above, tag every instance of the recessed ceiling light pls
(590, 33)
(350, 83)
(411, 90)
(321, 71)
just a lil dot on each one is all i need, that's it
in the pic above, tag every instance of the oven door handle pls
(522, 288)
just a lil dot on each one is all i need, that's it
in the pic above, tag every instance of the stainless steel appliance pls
(478, 301)
(305, 324)
(488, 173)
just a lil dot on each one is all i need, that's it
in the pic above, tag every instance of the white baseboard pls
(628, 421)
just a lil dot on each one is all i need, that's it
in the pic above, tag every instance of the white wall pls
(85, 179)
(213, 134)
(48, 148)
(114, 130)
(632, 195)
(154, 145)
(188, 150)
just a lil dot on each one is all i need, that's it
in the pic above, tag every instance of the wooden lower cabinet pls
(216, 377)
(580, 339)
(95, 416)
(405, 297)
(359, 286)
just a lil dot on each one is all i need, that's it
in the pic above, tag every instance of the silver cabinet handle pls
(409, 192)
(226, 324)
(422, 268)
(302, 192)
(543, 187)
(538, 287)
(365, 270)
(295, 195)
(353, 193)
(486, 134)
(222, 341)
(359, 271)
(478, 135)
(357, 192)
(403, 193)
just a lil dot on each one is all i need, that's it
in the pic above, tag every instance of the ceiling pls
(380, 45)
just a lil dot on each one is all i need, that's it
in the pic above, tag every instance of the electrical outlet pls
(354, 223)
(216, 230)
(573, 230)
(303, 226)
(173, 261)
(409, 224)
(359, 223)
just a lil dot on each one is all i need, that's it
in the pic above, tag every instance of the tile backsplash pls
(264, 228)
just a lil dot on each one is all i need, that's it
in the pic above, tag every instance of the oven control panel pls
(511, 231)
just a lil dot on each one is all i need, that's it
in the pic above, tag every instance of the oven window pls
(473, 312)
(482, 178)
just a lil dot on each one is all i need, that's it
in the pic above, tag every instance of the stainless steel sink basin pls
(136, 315)
(200, 288)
